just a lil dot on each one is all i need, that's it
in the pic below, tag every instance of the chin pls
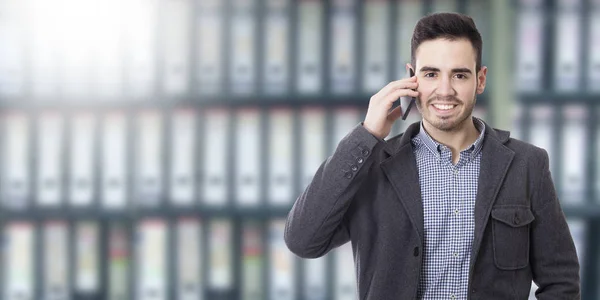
(448, 124)
(445, 125)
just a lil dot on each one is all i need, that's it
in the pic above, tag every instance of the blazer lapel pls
(401, 170)
(495, 161)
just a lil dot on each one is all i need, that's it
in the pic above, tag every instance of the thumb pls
(395, 114)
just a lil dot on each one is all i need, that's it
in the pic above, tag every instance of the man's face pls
(448, 82)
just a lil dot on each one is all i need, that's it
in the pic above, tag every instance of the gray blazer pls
(368, 193)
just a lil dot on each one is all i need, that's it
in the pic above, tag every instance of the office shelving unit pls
(263, 100)
(559, 98)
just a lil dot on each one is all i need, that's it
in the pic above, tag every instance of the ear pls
(481, 79)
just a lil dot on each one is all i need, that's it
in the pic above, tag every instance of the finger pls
(395, 114)
(408, 67)
(392, 97)
(389, 100)
(406, 86)
(402, 83)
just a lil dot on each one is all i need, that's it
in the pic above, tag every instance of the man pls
(451, 208)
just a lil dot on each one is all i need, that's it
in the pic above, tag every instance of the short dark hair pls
(451, 26)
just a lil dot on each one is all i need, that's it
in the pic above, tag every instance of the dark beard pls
(444, 125)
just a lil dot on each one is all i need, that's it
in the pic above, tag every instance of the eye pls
(461, 76)
(430, 75)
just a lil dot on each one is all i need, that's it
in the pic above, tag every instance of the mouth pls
(444, 109)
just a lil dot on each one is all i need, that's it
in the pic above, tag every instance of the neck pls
(458, 139)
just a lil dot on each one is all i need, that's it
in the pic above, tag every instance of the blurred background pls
(151, 149)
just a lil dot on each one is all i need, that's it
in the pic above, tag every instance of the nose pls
(444, 87)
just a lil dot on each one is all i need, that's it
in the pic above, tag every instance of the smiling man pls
(450, 209)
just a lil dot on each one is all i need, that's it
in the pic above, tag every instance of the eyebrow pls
(455, 70)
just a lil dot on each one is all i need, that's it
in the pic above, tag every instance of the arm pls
(315, 224)
(554, 260)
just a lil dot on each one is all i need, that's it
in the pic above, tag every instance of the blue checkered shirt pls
(448, 193)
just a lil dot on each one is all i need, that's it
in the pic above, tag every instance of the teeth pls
(443, 107)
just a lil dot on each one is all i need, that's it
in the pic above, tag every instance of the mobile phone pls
(406, 103)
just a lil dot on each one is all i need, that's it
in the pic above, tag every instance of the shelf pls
(38, 214)
(181, 101)
(265, 101)
(586, 211)
(559, 98)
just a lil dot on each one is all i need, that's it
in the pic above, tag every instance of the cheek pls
(425, 92)
(467, 91)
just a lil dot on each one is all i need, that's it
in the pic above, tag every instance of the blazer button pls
(365, 152)
(348, 175)
(354, 168)
(416, 251)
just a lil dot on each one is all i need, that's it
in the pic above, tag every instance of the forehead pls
(446, 54)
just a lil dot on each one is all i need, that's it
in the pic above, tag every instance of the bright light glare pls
(85, 42)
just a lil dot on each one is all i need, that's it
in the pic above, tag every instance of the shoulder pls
(524, 152)
(534, 155)
(520, 147)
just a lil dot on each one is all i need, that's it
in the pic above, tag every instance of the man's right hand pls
(379, 119)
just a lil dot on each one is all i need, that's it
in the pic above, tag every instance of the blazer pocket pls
(510, 230)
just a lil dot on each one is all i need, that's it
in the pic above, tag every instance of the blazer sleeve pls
(315, 224)
(554, 260)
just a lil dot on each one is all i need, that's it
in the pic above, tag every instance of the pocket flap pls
(513, 216)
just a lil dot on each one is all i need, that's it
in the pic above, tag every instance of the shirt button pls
(452, 296)
(456, 172)
(456, 211)
(455, 254)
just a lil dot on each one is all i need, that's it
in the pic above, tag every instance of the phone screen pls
(406, 103)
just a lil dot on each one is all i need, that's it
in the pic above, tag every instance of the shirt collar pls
(424, 139)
